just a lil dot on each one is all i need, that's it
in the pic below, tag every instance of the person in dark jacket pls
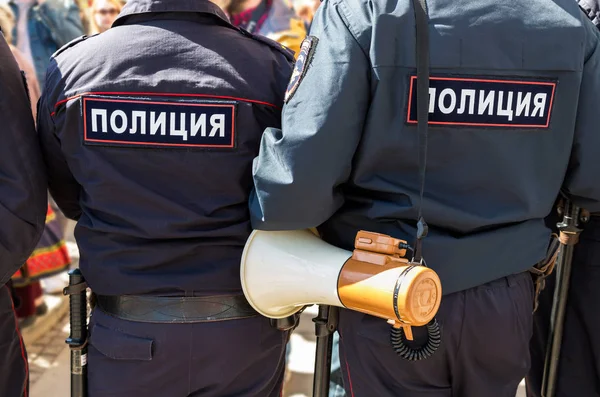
(22, 212)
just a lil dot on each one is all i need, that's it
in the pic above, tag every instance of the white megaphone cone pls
(282, 272)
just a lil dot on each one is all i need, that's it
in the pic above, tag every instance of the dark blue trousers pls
(579, 367)
(14, 379)
(236, 358)
(484, 352)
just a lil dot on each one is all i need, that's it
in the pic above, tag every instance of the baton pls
(569, 235)
(77, 339)
(325, 325)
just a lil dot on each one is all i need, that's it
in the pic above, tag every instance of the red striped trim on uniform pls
(349, 377)
(347, 366)
(164, 95)
(23, 355)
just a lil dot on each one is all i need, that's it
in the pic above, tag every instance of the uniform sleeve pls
(582, 180)
(63, 187)
(23, 197)
(301, 168)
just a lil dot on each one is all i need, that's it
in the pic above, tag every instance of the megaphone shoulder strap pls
(422, 58)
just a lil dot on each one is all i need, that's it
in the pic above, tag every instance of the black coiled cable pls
(434, 339)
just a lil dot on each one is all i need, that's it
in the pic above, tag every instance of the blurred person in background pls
(7, 23)
(102, 14)
(84, 14)
(274, 19)
(42, 27)
(305, 10)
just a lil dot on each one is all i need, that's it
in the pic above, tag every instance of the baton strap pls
(544, 268)
(569, 238)
(163, 309)
(75, 288)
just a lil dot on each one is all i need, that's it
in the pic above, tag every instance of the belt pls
(168, 309)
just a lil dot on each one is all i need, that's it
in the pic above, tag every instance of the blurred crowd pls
(36, 29)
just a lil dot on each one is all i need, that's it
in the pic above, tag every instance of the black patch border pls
(291, 90)
(493, 79)
(158, 99)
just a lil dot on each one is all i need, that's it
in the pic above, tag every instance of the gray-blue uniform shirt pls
(514, 101)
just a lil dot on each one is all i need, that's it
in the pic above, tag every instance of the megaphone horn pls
(283, 271)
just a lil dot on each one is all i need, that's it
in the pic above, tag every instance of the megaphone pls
(284, 271)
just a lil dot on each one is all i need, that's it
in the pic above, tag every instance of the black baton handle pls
(325, 326)
(569, 229)
(77, 339)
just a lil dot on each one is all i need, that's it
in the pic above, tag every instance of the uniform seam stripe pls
(347, 365)
(21, 345)
(165, 95)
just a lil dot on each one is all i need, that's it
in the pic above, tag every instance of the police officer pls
(510, 122)
(149, 131)
(22, 212)
(579, 366)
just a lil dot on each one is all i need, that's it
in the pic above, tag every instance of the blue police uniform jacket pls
(149, 131)
(511, 123)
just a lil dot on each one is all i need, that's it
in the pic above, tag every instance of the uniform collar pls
(134, 7)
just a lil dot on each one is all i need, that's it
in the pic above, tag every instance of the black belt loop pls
(422, 58)
(171, 309)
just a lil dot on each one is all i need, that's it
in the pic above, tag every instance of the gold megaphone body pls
(281, 272)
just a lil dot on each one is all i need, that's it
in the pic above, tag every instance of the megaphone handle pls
(325, 325)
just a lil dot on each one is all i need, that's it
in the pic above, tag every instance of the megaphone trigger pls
(408, 332)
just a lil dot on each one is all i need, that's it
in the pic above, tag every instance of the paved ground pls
(49, 362)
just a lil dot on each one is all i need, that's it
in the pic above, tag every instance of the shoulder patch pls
(307, 51)
(72, 43)
(485, 101)
(289, 54)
